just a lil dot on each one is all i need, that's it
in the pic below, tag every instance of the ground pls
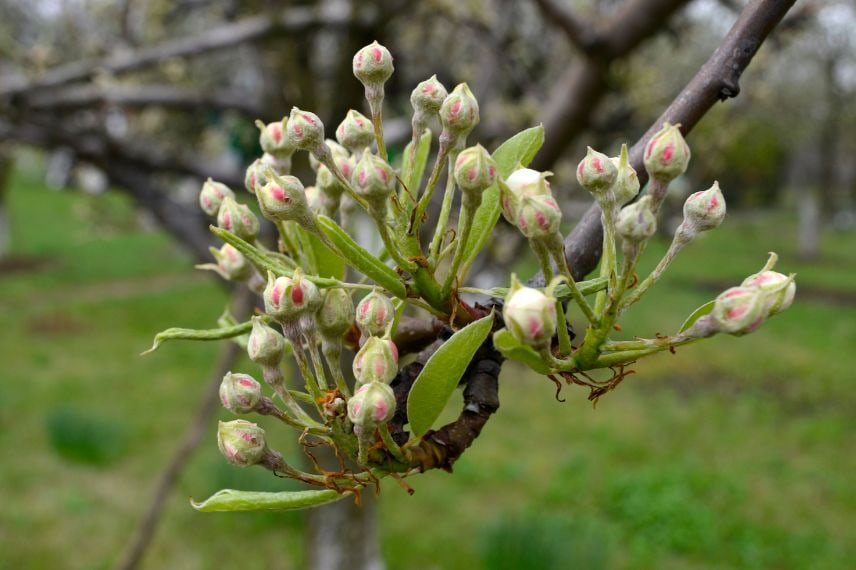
(734, 453)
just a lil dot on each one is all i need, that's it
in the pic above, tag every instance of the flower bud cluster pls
(528, 203)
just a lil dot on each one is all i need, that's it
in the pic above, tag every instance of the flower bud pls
(636, 222)
(336, 150)
(283, 198)
(667, 154)
(240, 393)
(705, 210)
(428, 97)
(374, 314)
(530, 315)
(372, 404)
(212, 195)
(626, 185)
(376, 361)
(596, 173)
(304, 130)
(373, 179)
(265, 346)
(522, 182)
(273, 140)
(231, 264)
(336, 314)
(373, 65)
(242, 443)
(538, 216)
(254, 176)
(280, 164)
(779, 290)
(355, 132)
(238, 219)
(459, 114)
(475, 171)
(739, 310)
(289, 298)
(315, 199)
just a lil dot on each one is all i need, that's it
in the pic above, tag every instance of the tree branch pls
(580, 34)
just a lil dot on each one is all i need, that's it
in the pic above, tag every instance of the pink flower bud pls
(739, 310)
(212, 195)
(705, 210)
(636, 222)
(283, 198)
(521, 183)
(459, 114)
(289, 299)
(231, 264)
(336, 314)
(240, 393)
(336, 151)
(305, 130)
(374, 314)
(373, 179)
(530, 315)
(779, 290)
(355, 132)
(242, 443)
(626, 185)
(538, 216)
(265, 346)
(279, 164)
(428, 97)
(273, 140)
(373, 64)
(596, 173)
(376, 361)
(372, 405)
(238, 219)
(475, 172)
(254, 177)
(666, 154)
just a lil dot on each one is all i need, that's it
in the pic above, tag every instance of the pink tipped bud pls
(596, 173)
(231, 264)
(521, 183)
(538, 216)
(666, 154)
(336, 314)
(530, 315)
(289, 299)
(304, 130)
(374, 314)
(240, 393)
(636, 222)
(739, 310)
(376, 361)
(238, 219)
(459, 114)
(254, 177)
(626, 185)
(705, 210)
(242, 443)
(355, 132)
(373, 179)
(373, 64)
(475, 172)
(212, 195)
(428, 97)
(336, 150)
(779, 289)
(273, 140)
(266, 346)
(372, 405)
(283, 198)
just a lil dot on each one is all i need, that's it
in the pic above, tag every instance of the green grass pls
(733, 453)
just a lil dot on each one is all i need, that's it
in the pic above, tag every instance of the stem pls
(422, 206)
(273, 377)
(465, 224)
(608, 262)
(445, 211)
(390, 444)
(652, 346)
(562, 324)
(375, 105)
(388, 243)
(332, 350)
(320, 376)
(675, 247)
(557, 250)
(303, 364)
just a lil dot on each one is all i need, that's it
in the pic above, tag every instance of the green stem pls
(332, 349)
(273, 377)
(543, 255)
(377, 122)
(425, 199)
(445, 212)
(608, 262)
(317, 363)
(465, 224)
(388, 243)
(557, 250)
(393, 447)
(676, 246)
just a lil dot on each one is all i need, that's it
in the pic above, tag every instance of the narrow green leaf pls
(176, 333)
(232, 500)
(518, 150)
(327, 263)
(413, 179)
(697, 314)
(362, 260)
(441, 374)
(511, 349)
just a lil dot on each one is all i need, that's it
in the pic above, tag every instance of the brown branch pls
(580, 34)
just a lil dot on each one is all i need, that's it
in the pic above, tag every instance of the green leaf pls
(413, 179)
(327, 263)
(562, 292)
(512, 349)
(518, 150)
(441, 374)
(232, 500)
(199, 334)
(697, 314)
(362, 260)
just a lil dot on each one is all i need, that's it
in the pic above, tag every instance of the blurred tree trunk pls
(344, 536)
(808, 208)
(6, 164)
